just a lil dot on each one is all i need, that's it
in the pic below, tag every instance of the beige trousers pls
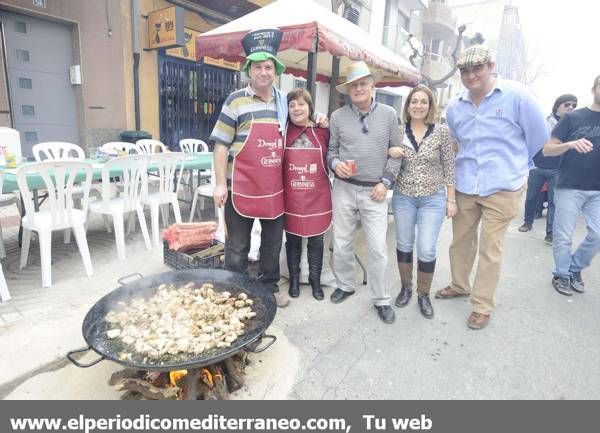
(493, 213)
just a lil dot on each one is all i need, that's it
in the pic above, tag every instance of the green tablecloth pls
(200, 161)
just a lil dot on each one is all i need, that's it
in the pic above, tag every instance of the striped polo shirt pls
(233, 126)
(369, 150)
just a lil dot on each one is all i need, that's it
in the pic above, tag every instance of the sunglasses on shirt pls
(570, 104)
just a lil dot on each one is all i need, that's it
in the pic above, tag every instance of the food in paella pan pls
(180, 320)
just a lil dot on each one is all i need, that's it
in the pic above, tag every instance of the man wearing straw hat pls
(248, 156)
(361, 134)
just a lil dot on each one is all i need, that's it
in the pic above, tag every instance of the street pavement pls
(538, 345)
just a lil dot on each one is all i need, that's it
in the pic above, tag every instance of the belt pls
(357, 182)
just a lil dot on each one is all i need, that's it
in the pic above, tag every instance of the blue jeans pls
(569, 204)
(537, 177)
(427, 214)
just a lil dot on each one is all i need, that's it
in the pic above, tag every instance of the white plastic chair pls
(191, 146)
(5, 201)
(204, 191)
(59, 178)
(61, 151)
(148, 146)
(57, 150)
(133, 178)
(169, 167)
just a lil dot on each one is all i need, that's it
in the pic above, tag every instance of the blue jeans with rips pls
(570, 203)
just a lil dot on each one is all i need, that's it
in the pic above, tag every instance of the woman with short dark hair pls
(307, 192)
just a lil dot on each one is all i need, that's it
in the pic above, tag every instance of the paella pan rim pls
(94, 325)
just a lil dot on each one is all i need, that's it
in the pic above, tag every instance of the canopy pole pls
(312, 75)
(311, 70)
(335, 75)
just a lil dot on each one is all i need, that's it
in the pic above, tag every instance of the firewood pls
(205, 391)
(148, 390)
(131, 395)
(233, 376)
(220, 386)
(118, 376)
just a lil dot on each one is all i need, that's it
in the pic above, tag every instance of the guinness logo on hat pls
(264, 40)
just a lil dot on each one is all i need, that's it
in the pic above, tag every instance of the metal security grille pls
(215, 85)
(178, 94)
(191, 96)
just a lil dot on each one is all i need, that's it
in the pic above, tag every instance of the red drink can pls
(351, 166)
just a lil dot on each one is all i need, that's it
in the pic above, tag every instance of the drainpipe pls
(136, 61)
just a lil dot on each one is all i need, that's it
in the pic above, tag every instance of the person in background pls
(424, 194)
(307, 191)
(576, 138)
(546, 170)
(499, 127)
(361, 134)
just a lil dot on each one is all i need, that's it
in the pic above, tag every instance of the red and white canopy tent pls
(312, 34)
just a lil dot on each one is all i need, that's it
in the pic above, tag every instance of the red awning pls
(301, 22)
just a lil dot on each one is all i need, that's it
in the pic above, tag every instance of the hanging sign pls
(188, 52)
(222, 63)
(165, 28)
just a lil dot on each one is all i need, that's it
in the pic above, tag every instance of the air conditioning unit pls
(352, 14)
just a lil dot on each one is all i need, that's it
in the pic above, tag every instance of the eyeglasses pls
(570, 104)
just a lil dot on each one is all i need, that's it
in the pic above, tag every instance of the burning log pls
(213, 382)
(233, 375)
(148, 390)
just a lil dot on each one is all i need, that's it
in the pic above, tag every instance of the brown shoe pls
(478, 321)
(449, 293)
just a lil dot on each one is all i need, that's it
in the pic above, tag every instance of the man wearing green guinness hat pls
(248, 158)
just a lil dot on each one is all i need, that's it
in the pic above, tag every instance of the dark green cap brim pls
(261, 56)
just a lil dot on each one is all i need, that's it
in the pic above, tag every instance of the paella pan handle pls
(257, 349)
(79, 364)
(123, 280)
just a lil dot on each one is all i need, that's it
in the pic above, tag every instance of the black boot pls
(424, 278)
(405, 267)
(293, 249)
(315, 265)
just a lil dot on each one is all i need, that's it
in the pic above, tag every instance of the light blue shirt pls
(497, 140)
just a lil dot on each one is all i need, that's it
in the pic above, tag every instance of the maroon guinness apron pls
(307, 189)
(256, 182)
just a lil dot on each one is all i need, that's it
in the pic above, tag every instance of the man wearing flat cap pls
(248, 159)
(545, 170)
(360, 135)
(499, 128)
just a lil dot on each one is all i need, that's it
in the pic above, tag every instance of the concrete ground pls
(539, 344)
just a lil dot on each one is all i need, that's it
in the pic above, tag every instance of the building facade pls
(69, 70)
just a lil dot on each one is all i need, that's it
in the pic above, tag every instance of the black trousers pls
(237, 245)
(314, 242)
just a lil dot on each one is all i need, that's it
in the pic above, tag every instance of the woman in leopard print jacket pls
(423, 195)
